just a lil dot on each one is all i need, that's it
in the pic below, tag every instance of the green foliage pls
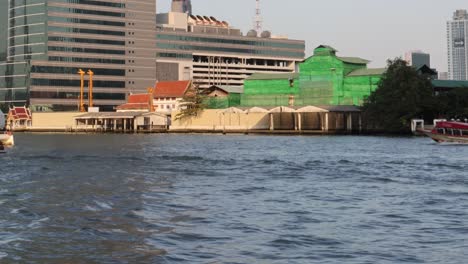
(402, 95)
(453, 104)
(4, 108)
(192, 103)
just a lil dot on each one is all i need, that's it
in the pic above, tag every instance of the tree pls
(4, 108)
(192, 103)
(453, 104)
(402, 94)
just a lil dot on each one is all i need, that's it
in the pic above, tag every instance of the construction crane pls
(82, 74)
(90, 88)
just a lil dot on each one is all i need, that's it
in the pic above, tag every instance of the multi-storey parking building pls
(211, 52)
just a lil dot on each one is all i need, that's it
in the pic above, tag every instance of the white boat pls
(7, 139)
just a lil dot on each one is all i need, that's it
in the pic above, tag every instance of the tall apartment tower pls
(182, 6)
(50, 40)
(457, 38)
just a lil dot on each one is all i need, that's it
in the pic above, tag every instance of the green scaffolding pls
(223, 102)
(324, 79)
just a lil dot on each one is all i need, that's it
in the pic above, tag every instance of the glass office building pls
(48, 41)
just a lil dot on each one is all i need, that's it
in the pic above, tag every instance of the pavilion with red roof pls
(19, 117)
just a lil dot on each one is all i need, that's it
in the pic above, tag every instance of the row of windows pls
(19, 50)
(25, 30)
(84, 40)
(76, 83)
(87, 60)
(13, 67)
(85, 11)
(86, 31)
(174, 55)
(65, 70)
(27, 20)
(27, 10)
(231, 50)
(232, 41)
(27, 39)
(76, 95)
(86, 21)
(91, 2)
(17, 3)
(27, 56)
(87, 50)
(13, 82)
(9, 95)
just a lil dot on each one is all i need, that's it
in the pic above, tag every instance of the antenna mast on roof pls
(258, 19)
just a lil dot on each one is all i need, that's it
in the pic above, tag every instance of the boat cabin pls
(456, 129)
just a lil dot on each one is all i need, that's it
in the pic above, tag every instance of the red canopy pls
(453, 125)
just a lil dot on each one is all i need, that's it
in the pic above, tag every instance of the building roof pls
(227, 88)
(138, 98)
(273, 76)
(366, 72)
(426, 70)
(175, 89)
(326, 47)
(449, 84)
(303, 109)
(353, 60)
(19, 113)
(137, 102)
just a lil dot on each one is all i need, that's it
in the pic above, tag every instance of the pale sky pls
(372, 29)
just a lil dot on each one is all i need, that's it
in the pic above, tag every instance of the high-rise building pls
(457, 37)
(50, 40)
(417, 59)
(3, 29)
(182, 6)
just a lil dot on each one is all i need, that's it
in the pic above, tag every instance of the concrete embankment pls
(213, 121)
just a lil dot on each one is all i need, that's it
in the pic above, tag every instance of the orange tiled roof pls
(171, 89)
(136, 102)
(138, 99)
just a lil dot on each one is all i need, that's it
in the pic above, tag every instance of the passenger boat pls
(7, 139)
(449, 132)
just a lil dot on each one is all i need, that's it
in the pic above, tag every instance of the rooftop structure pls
(182, 6)
(457, 38)
(212, 52)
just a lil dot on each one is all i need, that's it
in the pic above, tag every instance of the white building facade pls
(457, 37)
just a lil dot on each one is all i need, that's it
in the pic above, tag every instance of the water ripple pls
(232, 199)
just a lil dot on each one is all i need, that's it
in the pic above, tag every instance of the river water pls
(232, 199)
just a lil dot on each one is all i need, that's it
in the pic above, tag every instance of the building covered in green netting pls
(323, 79)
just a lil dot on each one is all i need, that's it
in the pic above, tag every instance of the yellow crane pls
(82, 74)
(90, 87)
(151, 103)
